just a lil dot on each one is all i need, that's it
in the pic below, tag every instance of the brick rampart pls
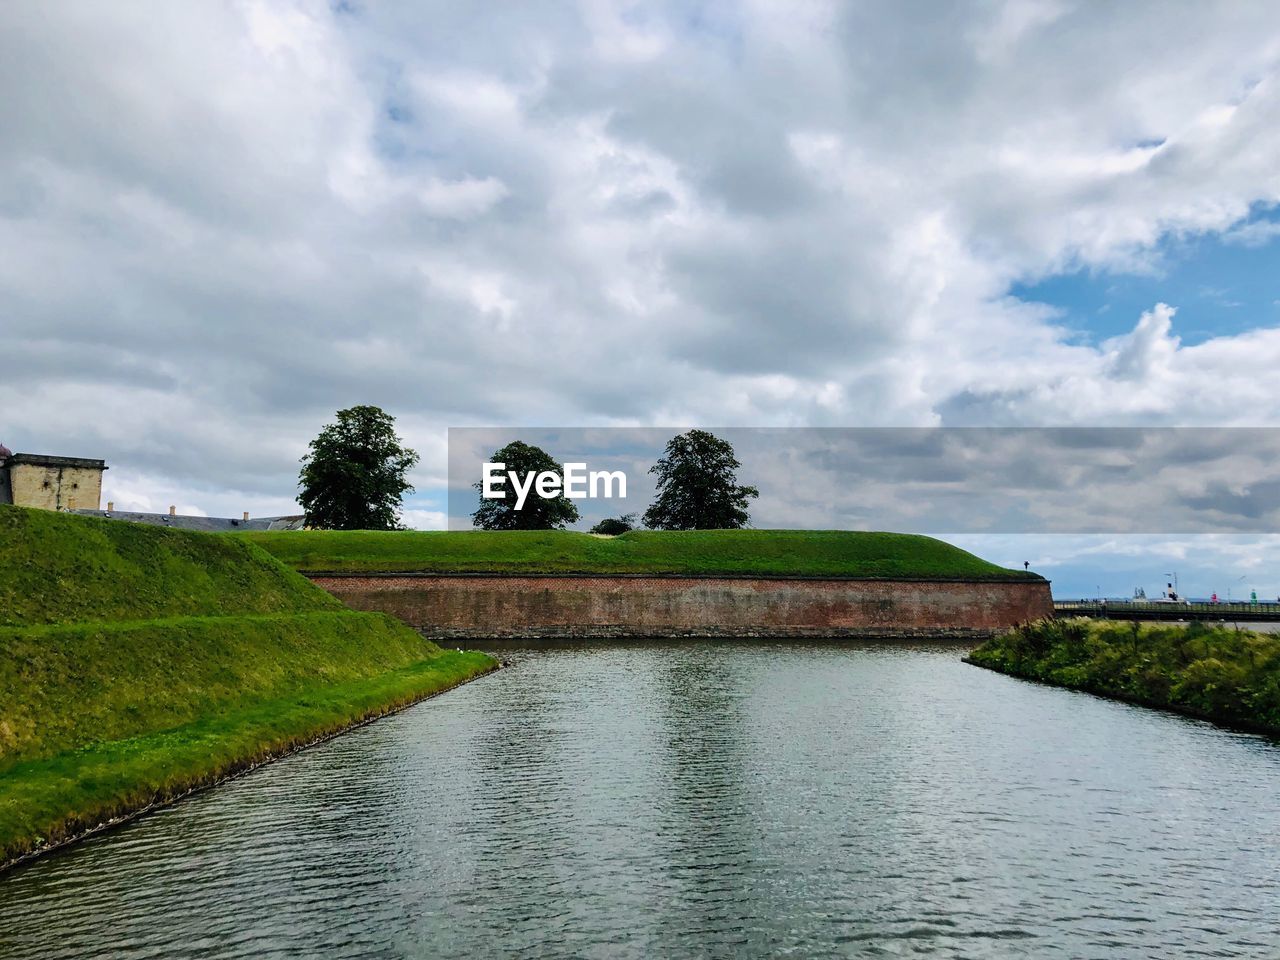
(462, 606)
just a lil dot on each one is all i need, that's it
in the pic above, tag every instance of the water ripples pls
(702, 799)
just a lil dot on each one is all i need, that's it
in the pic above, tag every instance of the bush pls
(1223, 674)
(1213, 687)
(615, 526)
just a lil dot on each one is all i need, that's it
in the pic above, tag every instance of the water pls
(701, 799)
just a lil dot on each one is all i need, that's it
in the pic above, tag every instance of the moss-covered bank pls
(207, 656)
(1214, 672)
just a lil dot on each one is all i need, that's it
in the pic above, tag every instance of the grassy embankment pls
(1214, 672)
(816, 553)
(139, 663)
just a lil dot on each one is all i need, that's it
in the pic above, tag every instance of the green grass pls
(62, 568)
(817, 553)
(64, 687)
(137, 663)
(50, 799)
(1216, 672)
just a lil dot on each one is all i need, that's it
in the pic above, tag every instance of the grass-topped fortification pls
(802, 553)
(137, 663)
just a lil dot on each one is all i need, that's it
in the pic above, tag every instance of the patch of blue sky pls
(1221, 284)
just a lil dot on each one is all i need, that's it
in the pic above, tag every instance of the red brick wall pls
(505, 606)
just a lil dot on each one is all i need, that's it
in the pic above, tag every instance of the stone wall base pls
(458, 607)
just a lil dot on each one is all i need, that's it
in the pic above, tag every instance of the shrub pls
(1224, 674)
(615, 526)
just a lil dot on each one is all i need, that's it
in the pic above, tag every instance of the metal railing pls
(1166, 610)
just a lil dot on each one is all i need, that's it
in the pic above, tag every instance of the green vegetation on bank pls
(1216, 672)
(210, 657)
(816, 553)
(53, 696)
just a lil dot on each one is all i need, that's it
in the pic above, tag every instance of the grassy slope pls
(1215, 672)
(62, 687)
(762, 552)
(50, 799)
(58, 568)
(211, 656)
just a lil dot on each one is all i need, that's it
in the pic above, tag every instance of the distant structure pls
(50, 483)
(207, 524)
(74, 485)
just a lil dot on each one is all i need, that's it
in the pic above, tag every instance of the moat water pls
(700, 799)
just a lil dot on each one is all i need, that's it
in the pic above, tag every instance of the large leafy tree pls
(354, 476)
(698, 486)
(538, 513)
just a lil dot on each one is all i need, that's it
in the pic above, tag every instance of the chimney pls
(173, 511)
(246, 515)
(111, 505)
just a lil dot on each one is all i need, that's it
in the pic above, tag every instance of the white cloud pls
(1257, 233)
(1148, 351)
(424, 519)
(219, 223)
(460, 199)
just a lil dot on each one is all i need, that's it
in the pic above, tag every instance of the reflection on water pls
(680, 799)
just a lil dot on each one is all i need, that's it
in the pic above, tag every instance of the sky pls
(220, 222)
(1003, 480)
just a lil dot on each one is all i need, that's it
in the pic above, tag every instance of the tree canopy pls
(538, 513)
(354, 476)
(698, 486)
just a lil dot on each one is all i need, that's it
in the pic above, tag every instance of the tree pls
(615, 526)
(537, 513)
(698, 486)
(354, 476)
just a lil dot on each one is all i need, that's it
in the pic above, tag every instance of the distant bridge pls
(1155, 610)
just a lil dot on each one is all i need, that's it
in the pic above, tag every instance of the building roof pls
(206, 524)
(44, 460)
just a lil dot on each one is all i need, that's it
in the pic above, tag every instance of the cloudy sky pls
(222, 221)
